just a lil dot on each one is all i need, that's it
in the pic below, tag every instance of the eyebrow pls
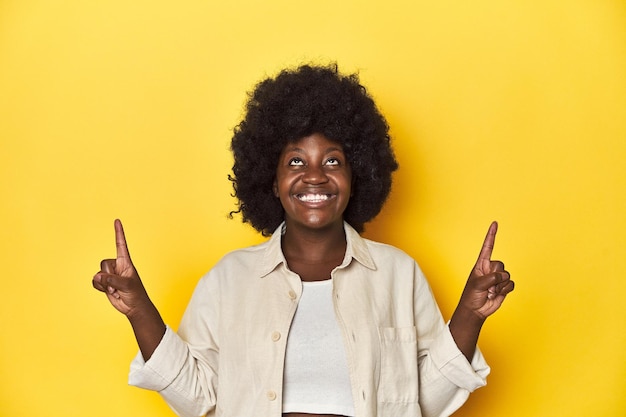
(300, 150)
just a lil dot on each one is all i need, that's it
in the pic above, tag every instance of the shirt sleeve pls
(170, 372)
(184, 376)
(446, 376)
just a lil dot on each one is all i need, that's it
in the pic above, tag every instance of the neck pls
(313, 254)
(314, 244)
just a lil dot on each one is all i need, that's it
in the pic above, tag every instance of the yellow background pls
(508, 110)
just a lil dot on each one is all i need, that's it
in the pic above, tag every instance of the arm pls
(119, 280)
(183, 368)
(176, 371)
(446, 376)
(485, 290)
(450, 365)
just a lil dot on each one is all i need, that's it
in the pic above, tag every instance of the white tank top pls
(316, 379)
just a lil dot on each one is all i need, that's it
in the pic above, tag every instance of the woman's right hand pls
(119, 279)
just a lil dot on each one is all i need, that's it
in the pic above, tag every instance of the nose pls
(314, 175)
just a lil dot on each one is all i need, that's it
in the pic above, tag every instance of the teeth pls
(313, 198)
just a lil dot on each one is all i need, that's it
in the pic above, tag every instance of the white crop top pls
(316, 379)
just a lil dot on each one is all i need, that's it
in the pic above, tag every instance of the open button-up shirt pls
(228, 354)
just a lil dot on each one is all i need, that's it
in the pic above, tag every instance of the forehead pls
(316, 142)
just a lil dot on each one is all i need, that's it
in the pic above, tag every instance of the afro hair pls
(298, 103)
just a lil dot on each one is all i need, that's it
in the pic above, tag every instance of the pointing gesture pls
(118, 278)
(485, 290)
(488, 283)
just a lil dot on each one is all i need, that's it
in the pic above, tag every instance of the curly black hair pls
(298, 103)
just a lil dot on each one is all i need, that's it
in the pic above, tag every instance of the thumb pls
(111, 282)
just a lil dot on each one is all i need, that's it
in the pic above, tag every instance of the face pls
(313, 182)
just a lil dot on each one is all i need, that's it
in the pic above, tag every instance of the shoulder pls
(244, 259)
(385, 249)
(253, 252)
(390, 254)
(393, 260)
(372, 253)
(236, 271)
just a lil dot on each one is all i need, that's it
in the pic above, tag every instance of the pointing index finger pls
(490, 239)
(120, 241)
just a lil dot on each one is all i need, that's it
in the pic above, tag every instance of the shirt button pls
(292, 294)
(275, 336)
(271, 395)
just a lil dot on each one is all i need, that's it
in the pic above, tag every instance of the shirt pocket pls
(398, 365)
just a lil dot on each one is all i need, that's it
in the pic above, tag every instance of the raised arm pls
(119, 280)
(485, 290)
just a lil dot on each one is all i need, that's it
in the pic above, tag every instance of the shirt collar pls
(356, 249)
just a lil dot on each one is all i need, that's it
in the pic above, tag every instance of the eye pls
(333, 161)
(296, 162)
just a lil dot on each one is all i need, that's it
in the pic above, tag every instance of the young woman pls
(317, 320)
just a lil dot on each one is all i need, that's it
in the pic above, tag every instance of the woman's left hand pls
(488, 283)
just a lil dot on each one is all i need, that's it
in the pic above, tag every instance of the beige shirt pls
(227, 357)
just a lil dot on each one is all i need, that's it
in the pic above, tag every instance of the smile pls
(313, 198)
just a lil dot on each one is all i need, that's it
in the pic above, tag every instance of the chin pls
(321, 224)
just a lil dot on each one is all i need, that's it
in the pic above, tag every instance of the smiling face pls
(313, 182)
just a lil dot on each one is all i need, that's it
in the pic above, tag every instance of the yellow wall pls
(508, 110)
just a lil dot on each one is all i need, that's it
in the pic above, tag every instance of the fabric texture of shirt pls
(228, 354)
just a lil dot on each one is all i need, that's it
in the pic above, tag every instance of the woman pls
(317, 320)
